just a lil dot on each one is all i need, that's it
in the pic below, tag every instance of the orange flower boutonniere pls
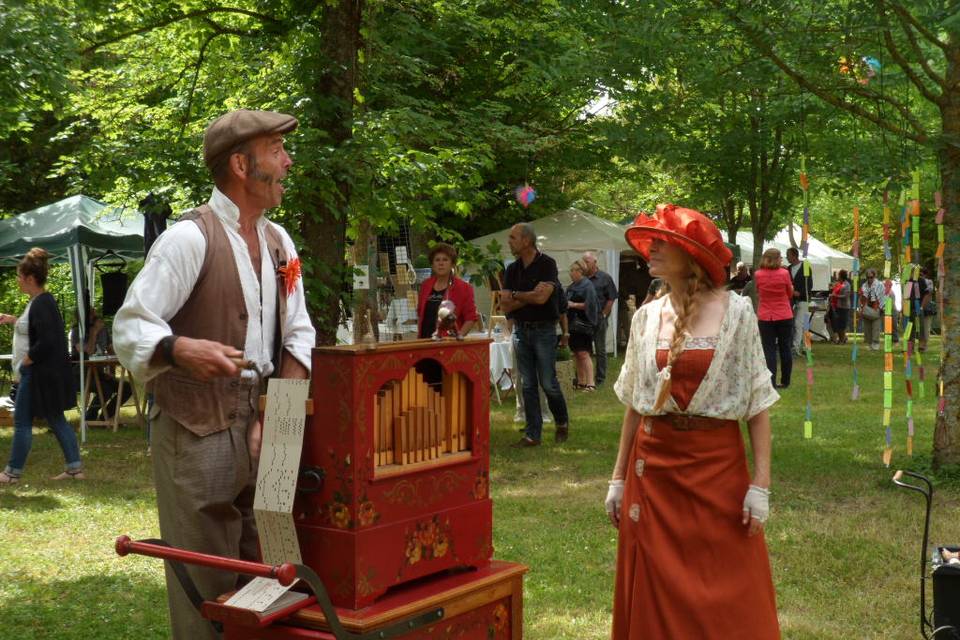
(289, 273)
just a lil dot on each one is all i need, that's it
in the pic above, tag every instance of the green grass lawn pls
(843, 540)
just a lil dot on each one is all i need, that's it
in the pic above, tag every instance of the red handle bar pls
(285, 573)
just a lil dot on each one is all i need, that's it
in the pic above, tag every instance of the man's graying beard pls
(257, 174)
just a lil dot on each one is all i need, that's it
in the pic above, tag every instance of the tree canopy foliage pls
(431, 113)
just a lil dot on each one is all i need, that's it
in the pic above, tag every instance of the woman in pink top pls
(775, 291)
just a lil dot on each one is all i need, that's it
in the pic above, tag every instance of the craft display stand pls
(93, 385)
(496, 315)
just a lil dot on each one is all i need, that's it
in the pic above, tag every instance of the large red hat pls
(692, 231)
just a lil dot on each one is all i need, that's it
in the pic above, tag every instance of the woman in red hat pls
(691, 558)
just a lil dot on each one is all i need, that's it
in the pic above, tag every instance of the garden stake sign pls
(807, 338)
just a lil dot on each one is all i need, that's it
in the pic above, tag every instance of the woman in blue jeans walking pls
(41, 359)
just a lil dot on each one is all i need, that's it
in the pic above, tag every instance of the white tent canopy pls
(819, 266)
(564, 236)
(817, 248)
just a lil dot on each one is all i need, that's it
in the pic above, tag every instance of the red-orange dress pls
(686, 569)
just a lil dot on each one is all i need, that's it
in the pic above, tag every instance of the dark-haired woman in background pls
(40, 357)
(444, 285)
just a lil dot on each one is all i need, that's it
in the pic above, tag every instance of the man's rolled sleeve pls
(299, 336)
(156, 294)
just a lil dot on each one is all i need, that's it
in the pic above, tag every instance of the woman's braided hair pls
(697, 281)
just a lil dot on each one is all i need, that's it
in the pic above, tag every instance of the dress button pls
(233, 414)
(234, 383)
(635, 512)
(243, 316)
(638, 467)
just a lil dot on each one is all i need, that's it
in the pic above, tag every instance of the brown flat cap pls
(232, 128)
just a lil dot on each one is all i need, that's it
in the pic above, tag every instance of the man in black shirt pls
(526, 299)
(606, 296)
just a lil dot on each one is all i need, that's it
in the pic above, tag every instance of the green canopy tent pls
(75, 230)
(72, 222)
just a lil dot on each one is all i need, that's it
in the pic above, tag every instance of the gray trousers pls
(600, 349)
(872, 330)
(205, 489)
(800, 313)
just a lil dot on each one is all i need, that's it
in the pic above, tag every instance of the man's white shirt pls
(168, 278)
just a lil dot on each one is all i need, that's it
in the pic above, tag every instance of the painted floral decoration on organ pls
(430, 539)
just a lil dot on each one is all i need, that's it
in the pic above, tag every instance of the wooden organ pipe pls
(416, 423)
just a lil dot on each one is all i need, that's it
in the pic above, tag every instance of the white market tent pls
(564, 236)
(820, 267)
(837, 259)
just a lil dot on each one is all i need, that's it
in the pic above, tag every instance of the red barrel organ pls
(400, 435)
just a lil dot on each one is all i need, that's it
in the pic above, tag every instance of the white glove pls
(756, 503)
(614, 499)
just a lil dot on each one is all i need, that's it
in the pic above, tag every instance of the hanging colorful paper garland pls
(911, 312)
(855, 274)
(887, 371)
(918, 310)
(907, 338)
(886, 236)
(807, 337)
(904, 228)
(887, 333)
(941, 282)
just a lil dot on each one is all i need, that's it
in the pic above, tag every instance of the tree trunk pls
(793, 241)
(732, 212)
(324, 225)
(946, 440)
(757, 246)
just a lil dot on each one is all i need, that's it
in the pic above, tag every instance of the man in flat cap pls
(219, 289)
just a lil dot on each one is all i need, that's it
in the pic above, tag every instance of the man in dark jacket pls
(802, 286)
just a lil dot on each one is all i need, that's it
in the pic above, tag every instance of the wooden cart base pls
(482, 604)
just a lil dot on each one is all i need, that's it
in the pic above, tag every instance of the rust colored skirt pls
(686, 569)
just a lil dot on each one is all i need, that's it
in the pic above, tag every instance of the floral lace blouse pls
(737, 385)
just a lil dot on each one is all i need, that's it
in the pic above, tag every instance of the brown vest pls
(215, 311)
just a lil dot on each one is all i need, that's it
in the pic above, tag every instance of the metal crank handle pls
(285, 573)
